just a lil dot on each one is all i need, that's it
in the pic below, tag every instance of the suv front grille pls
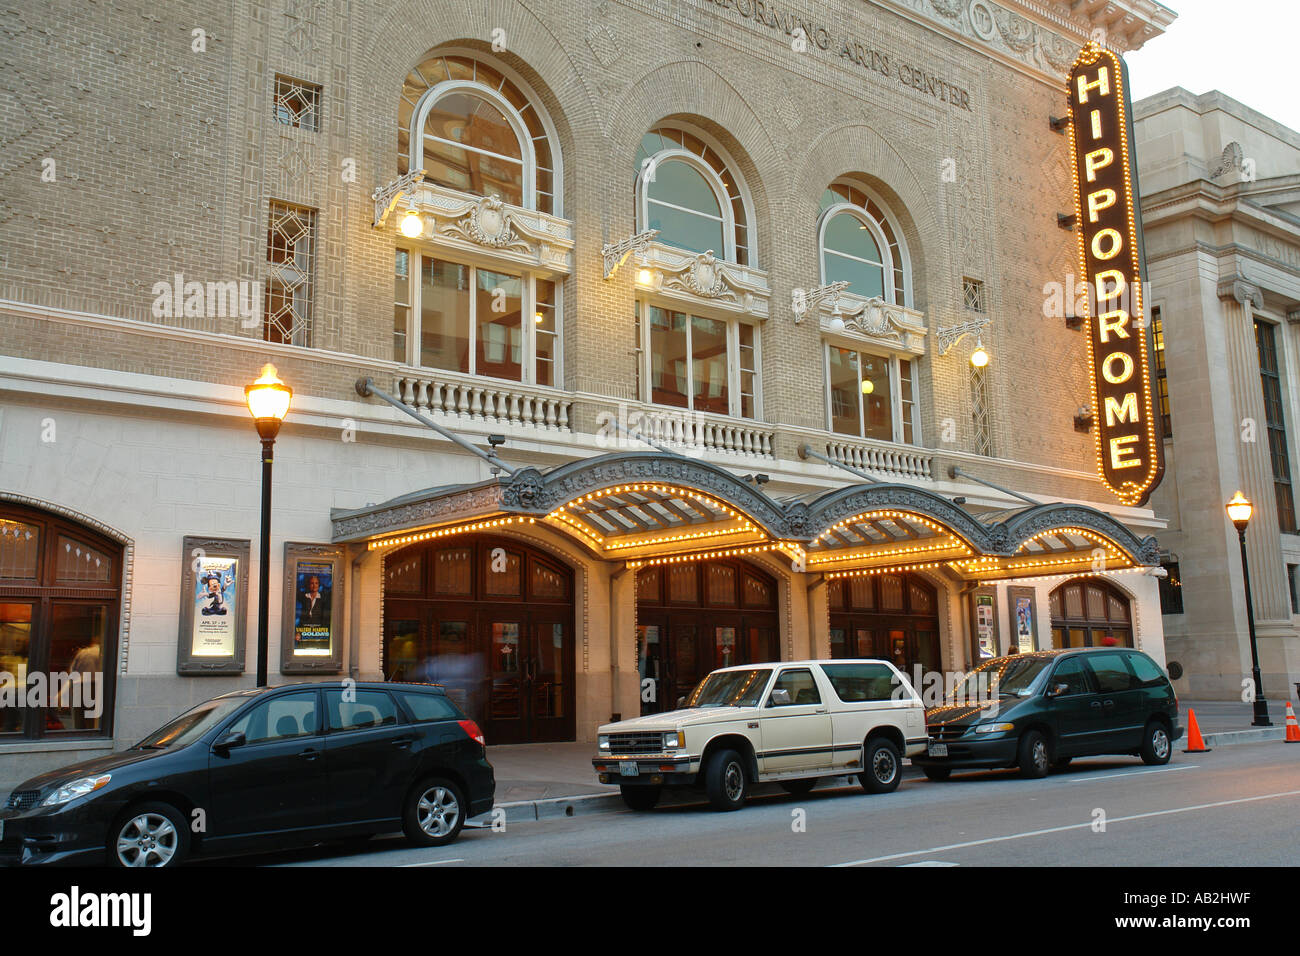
(23, 799)
(636, 743)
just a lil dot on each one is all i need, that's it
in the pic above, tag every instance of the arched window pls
(60, 598)
(686, 188)
(474, 128)
(1090, 612)
(860, 246)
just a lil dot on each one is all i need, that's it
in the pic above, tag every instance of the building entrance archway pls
(893, 617)
(492, 619)
(694, 617)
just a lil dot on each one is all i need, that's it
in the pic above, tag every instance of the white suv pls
(788, 722)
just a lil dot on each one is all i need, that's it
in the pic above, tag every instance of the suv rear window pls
(429, 707)
(858, 682)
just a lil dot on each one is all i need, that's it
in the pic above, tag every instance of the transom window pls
(871, 396)
(687, 190)
(474, 128)
(462, 318)
(859, 246)
(695, 362)
(1090, 612)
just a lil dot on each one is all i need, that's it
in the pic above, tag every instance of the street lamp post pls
(1239, 512)
(268, 403)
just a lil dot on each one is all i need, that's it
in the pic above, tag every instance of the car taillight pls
(471, 728)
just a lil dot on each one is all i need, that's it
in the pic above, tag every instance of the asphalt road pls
(1233, 806)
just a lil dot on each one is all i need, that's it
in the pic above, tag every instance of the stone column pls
(1254, 464)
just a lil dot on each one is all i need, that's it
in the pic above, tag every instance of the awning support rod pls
(955, 472)
(366, 388)
(806, 451)
(637, 434)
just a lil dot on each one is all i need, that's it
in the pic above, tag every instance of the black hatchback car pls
(1038, 711)
(261, 769)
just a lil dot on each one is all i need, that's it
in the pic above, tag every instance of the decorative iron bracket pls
(387, 197)
(950, 336)
(616, 253)
(802, 301)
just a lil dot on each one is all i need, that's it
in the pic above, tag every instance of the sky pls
(1248, 49)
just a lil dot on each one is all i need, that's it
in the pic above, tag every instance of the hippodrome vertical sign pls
(1130, 452)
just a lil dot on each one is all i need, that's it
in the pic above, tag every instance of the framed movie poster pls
(1024, 619)
(214, 606)
(984, 625)
(313, 624)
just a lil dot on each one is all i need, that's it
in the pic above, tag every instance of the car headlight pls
(603, 741)
(78, 788)
(675, 740)
(993, 728)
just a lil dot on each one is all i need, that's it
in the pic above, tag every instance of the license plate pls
(937, 750)
(629, 768)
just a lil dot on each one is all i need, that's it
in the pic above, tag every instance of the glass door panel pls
(550, 716)
(77, 635)
(650, 666)
(16, 619)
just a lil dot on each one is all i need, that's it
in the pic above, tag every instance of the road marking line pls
(931, 863)
(1131, 773)
(1072, 826)
(431, 863)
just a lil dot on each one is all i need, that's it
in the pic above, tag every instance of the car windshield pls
(730, 689)
(1004, 677)
(192, 724)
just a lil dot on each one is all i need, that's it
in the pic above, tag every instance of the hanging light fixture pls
(980, 357)
(411, 225)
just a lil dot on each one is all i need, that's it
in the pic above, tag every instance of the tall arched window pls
(474, 128)
(1090, 612)
(860, 246)
(687, 189)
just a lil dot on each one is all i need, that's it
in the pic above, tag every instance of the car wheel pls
(149, 834)
(798, 788)
(1035, 758)
(937, 773)
(434, 813)
(882, 768)
(725, 782)
(1156, 747)
(1060, 763)
(640, 798)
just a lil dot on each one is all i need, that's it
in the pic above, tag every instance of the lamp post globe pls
(1239, 511)
(268, 401)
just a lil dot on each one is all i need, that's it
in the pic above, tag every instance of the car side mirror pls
(681, 702)
(223, 746)
(779, 698)
(1056, 690)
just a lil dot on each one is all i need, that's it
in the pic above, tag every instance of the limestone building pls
(1221, 207)
(768, 236)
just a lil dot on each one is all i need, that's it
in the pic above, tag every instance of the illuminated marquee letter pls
(1129, 449)
(1101, 199)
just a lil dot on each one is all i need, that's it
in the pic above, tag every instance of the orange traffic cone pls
(1195, 745)
(1292, 725)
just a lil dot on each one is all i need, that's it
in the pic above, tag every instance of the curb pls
(1258, 736)
(519, 811)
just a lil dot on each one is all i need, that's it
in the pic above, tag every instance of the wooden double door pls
(509, 667)
(905, 641)
(677, 649)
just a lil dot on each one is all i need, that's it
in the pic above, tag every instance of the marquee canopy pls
(652, 508)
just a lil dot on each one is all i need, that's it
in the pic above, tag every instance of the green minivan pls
(1038, 711)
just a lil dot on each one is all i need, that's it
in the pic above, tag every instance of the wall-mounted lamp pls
(411, 226)
(1083, 419)
(980, 357)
